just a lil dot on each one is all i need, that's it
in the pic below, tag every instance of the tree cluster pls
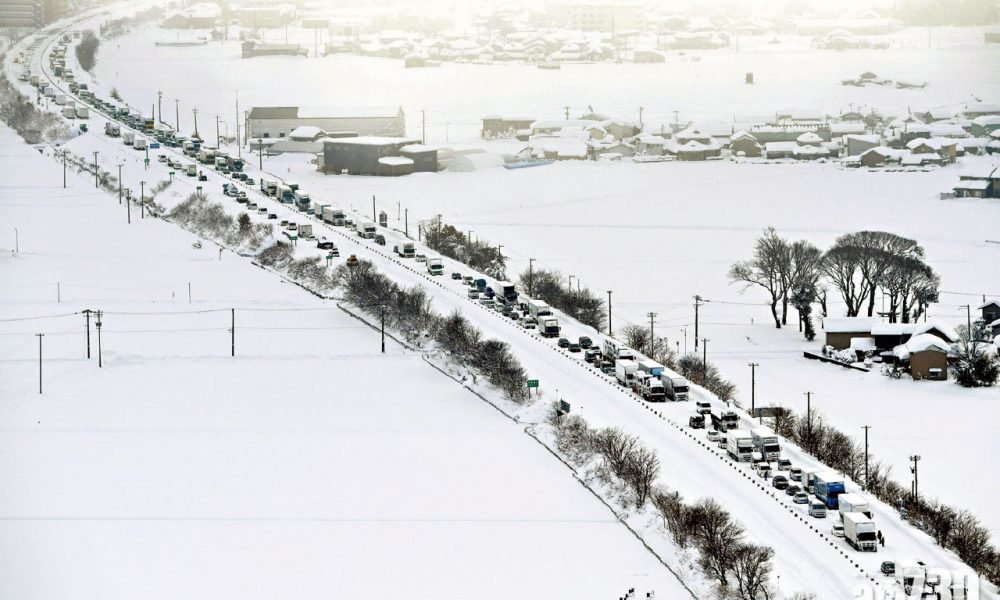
(209, 219)
(739, 567)
(955, 529)
(858, 266)
(116, 27)
(656, 348)
(975, 366)
(582, 303)
(33, 125)
(454, 244)
(86, 50)
(409, 310)
(694, 369)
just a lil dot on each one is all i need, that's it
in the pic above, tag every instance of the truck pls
(318, 210)
(649, 387)
(434, 265)
(725, 420)
(338, 218)
(191, 170)
(675, 386)
(826, 487)
(112, 130)
(404, 250)
(367, 229)
(60, 99)
(68, 112)
(548, 326)
(285, 194)
(625, 371)
(854, 503)
(860, 532)
(615, 350)
(305, 230)
(128, 138)
(222, 164)
(766, 442)
(537, 308)
(507, 291)
(206, 156)
(82, 112)
(739, 444)
(327, 214)
(649, 366)
(302, 200)
(139, 143)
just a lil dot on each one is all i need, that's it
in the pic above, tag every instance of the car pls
(468, 279)
(703, 407)
(456, 275)
(764, 470)
(249, 181)
(162, 158)
(837, 530)
(262, 210)
(795, 474)
(473, 294)
(784, 464)
(607, 367)
(504, 309)
(590, 354)
(324, 245)
(421, 258)
(272, 216)
(713, 435)
(563, 343)
(779, 482)
(243, 200)
(792, 489)
(800, 498)
(515, 314)
(573, 347)
(487, 302)
(888, 568)
(529, 323)
(380, 239)
(352, 261)
(284, 222)
(585, 342)
(490, 293)
(696, 422)
(250, 205)
(817, 509)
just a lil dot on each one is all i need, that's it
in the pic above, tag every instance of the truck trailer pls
(766, 442)
(625, 371)
(860, 532)
(434, 264)
(854, 503)
(548, 326)
(827, 486)
(739, 445)
(405, 250)
(537, 308)
(726, 420)
(675, 386)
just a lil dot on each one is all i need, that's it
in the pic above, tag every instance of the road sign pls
(563, 407)
(532, 383)
(769, 411)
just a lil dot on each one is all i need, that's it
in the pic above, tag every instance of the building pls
(990, 310)
(503, 126)
(926, 355)
(590, 15)
(985, 125)
(840, 330)
(31, 13)
(856, 144)
(425, 158)
(979, 182)
(278, 121)
(886, 336)
(744, 144)
(362, 155)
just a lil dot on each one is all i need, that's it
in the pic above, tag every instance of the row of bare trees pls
(20, 114)
(204, 217)
(581, 303)
(454, 244)
(740, 568)
(951, 528)
(858, 266)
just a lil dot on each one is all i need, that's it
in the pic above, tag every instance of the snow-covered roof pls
(850, 324)
(886, 152)
(692, 146)
(692, 132)
(780, 146)
(863, 344)
(810, 151)
(991, 302)
(979, 172)
(923, 343)
(949, 333)
(916, 143)
(557, 124)
(415, 148)
(371, 140)
(650, 139)
(395, 161)
(847, 128)
(305, 132)
(972, 184)
(742, 134)
(893, 328)
(809, 137)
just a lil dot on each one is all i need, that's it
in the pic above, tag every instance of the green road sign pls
(532, 383)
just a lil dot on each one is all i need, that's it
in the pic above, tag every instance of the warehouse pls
(360, 155)
(279, 121)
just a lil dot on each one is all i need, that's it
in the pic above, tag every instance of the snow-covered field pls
(310, 461)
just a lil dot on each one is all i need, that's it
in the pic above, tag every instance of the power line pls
(40, 317)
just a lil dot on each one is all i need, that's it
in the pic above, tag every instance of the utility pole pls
(753, 388)
(652, 340)
(218, 138)
(260, 152)
(177, 115)
(704, 361)
(86, 314)
(128, 205)
(609, 312)
(239, 149)
(531, 276)
(142, 199)
(382, 312)
(499, 256)
(100, 354)
(64, 168)
(697, 304)
(95, 169)
(159, 100)
(566, 110)
(406, 226)
(120, 183)
(684, 329)
(232, 330)
(867, 480)
(40, 335)
(640, 119)
(916, 481)
(809, 423)
(196, 123)
(968, 318)
(374, 218)
(423, 127)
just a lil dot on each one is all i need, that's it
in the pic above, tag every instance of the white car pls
(529, 323)
(421, 258)
(713, 435)
(837, 530)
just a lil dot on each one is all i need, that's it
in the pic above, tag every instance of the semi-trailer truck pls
(860, 532)
(625, 372)
(649, 387)
(725, 420)
(854, 503)
(508, 291)
(766, 442)
(615, 350)
(826, 487)
(649, 366)
(739, 445)
(404, 250)
(675, 386)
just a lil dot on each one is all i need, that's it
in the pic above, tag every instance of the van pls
(795, 474)
(817, 509)
(703, 408)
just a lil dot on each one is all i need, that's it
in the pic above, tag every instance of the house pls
(504, 126)
(744, 144)
(923, 146)
(927, 356)
(985, 125)
(424, 158)
(840, 330)
(935, 114)
(990, 310)
(394, 166)
(693, 150)
(547, 127)
(856, 143)
(809, 138)
(981, 109)
(995, 328)
(278, 121)
(692, 134)
(981, 181)
(780, 149)
(972, 188)
(362, 155)
(650, 145)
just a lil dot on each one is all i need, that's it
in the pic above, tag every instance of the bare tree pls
(752, 570)
(615, 446)
(641, 470)
(717, 537)
(767, 269)
(677, 516)
(800, 272)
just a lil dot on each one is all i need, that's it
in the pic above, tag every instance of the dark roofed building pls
(361, 156)
(279, 121)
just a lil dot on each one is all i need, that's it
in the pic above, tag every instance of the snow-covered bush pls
(976, 367)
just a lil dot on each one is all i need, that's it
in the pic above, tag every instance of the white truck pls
(767, 443)
(675, 386)
(860, 532)
(649, 386)
(625, 371)
(739, 445)
(537, 308)
(405, 250)
(650, 366)
(548, 326)
(318, 210)
(139, 143)
(853, 503)
(618, 351)
(305, 230)
(82, 112)
(128, 138)
(366, 229)
(434, 264)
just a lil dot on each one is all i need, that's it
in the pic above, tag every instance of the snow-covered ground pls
(310, 461)
(718, 221)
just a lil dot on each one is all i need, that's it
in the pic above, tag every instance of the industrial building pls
(365, 156)
(31, 13)
(278, 121)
